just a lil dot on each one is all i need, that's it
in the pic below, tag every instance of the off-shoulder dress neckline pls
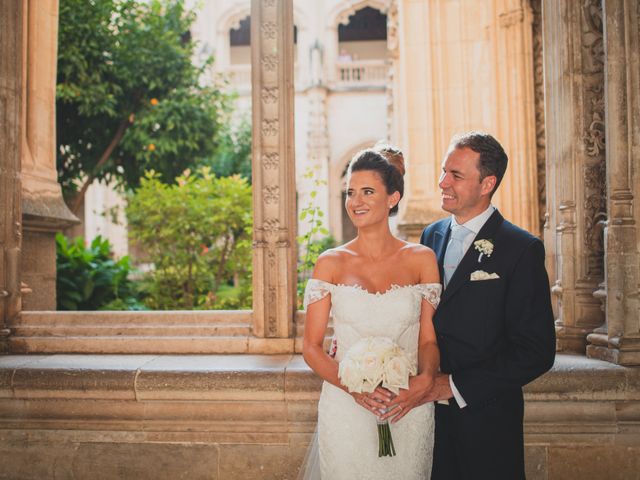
(392, 288)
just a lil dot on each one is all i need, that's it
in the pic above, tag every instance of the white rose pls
(371, 365)
(396, 374)
(350, 375)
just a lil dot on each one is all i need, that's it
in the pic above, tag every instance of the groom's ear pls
(488, 183)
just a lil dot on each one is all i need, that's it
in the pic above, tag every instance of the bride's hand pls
(375, 401)
(410, 398)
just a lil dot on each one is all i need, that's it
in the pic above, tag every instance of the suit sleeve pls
(529, 347)
(423, 238)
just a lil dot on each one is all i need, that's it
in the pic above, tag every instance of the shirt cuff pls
(456, 393)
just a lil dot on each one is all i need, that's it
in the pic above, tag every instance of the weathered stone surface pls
(213, 377)
(256, 462)
(258, 413)
(602, 461)
(41, 459)
(535, 462)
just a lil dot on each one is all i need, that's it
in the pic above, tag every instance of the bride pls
(374, 286)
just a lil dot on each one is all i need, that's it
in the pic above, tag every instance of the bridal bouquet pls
(377, 361)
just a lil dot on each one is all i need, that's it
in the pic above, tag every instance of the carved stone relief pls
(269, 62)
(269, 127)
(538, 85)
(270, 94)
(271, 194)
(393, 47)
(594, 138)
(270, 161)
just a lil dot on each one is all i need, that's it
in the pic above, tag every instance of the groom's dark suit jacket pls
(494, 335)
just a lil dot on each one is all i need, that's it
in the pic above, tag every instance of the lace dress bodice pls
(347, 433)
(358, 313)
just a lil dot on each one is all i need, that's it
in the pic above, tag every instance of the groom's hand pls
(407, 400)
(441, 389)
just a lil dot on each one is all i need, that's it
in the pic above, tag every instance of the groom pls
(494, 324)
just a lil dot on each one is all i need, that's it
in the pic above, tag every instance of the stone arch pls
(232, 17)
(340, 13)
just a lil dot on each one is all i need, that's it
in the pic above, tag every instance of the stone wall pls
(251, 417)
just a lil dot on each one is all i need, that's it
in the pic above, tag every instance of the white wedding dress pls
(347, 433)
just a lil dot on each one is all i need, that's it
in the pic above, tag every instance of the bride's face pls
(367, 199)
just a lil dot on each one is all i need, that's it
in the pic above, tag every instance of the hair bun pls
(392, 154)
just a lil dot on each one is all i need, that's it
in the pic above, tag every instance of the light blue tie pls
(454, 252)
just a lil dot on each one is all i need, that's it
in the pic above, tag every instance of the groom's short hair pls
(493, 159)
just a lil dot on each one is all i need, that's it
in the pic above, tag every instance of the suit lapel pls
(469, 262)
(440, 239)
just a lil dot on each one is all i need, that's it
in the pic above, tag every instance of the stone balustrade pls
(358, 73)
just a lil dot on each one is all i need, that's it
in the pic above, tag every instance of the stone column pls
(416, 101)
(44, 211)
(331, 50)
(393, 47)
(574, 80)
(619, 339)
(453, 79)
(274, 196)
(515, 124)
(12, 41)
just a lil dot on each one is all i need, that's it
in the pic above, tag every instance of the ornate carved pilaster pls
(393, 47)
(538, 91)
(619, 341)
(12, 38)
(515, 113)
(574, 80)
(274, 260)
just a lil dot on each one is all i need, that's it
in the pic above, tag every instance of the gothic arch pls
(232, 17)
(340, 13)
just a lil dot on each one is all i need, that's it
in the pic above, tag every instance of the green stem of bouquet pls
(385, 441)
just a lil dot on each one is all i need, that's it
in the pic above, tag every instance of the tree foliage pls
(197, 235)
(233, 152)
(129, 98)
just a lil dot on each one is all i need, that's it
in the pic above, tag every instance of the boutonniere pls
(484, 246)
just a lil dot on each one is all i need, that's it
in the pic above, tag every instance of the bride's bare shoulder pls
(418, 251)
(422, 261)
(331, 261)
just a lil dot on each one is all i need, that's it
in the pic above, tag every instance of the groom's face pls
(463, 194)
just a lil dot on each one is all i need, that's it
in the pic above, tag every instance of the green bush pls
(88, 278)
(197, 236)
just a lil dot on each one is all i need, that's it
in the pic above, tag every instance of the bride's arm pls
(313, 352)
(428, 352)
(315, 328)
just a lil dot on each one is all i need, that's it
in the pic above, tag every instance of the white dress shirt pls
(474, 225)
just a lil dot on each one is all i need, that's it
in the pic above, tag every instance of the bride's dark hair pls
(376, 161)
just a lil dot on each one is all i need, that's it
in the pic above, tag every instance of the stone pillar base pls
(571, 339)
(625, 351)
(42, 217)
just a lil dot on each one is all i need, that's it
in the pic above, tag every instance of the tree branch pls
(78, 199)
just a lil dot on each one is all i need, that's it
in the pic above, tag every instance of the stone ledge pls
(60, 407)
(238, 393)
(161, 333)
